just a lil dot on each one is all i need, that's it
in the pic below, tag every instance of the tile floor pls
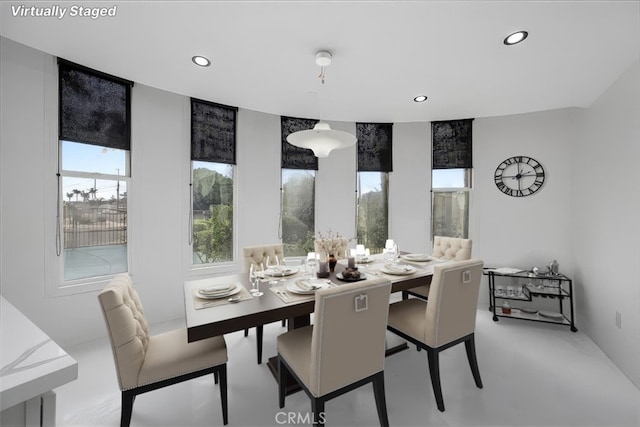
(534, 375)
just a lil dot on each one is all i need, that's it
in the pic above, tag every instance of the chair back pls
(127, 327)
(453, 302)
(451, 248)
(348, 340)
(259, 254)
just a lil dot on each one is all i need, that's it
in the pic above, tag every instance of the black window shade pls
(452, 144)
(374, 147)
(295, 157)
(213, 132)
(94, 108)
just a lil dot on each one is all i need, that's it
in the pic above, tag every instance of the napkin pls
(306, 285)
(398, 268)
(217, 289)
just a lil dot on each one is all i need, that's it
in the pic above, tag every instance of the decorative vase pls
(332, 262)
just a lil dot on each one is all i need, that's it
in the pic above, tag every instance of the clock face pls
(519, 176)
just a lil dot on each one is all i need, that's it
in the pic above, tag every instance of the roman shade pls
(213, 132)
(451, 142)
(295, 157)
(95, 108)
(374, 147)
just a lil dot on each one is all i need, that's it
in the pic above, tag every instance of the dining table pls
(240, 310)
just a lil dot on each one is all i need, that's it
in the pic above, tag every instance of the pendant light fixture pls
(321, 139)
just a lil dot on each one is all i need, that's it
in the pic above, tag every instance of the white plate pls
(364, 259)
(417, 257)
(222, 295)
(551, 315)
(403, 271)
(528, 310)
(288, 271)
(313, 284)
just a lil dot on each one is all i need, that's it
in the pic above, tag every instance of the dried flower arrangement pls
(331, 243)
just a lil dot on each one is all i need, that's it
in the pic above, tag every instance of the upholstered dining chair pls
(258, 255)
(343, 350)
(447, 249)
(448, 318)
(145, 363)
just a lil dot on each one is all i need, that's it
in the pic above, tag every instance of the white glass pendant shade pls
(321, 139)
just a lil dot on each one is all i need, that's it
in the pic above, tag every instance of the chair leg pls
(434, 370)
(473, 361)
(317, 411)
(381, 402)
(259, 343)
(246, 332)
(222, 374)
(215, 377)
(127, 408)
(282, 382)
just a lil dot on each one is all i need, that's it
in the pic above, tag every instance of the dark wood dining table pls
(231, 317)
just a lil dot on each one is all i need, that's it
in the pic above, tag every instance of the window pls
(451, 178)
(94, 172)
(297, 210)
(372, 210)
(374, 165)
(213, 140)
(451, 189)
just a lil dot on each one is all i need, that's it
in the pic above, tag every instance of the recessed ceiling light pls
(420, 98)
(201, 61)
(515, 38)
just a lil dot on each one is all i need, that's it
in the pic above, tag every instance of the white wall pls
(605, 228)
(564, 218)
(526, 231)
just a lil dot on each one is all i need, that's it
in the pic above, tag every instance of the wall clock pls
(519, 176)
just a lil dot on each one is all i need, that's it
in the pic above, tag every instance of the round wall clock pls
(519, 176)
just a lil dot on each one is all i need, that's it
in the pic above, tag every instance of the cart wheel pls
(495, 318)
(574, 329)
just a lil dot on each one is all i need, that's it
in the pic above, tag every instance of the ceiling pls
(384, 53)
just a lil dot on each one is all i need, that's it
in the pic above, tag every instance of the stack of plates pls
(306, 287)
(219, 291)
(417, 257)
(551, 315)
(398, 269)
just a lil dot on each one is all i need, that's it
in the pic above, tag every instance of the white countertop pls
(30, 362)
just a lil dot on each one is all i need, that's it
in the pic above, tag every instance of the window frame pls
(314, 173)
(467, 188)
(227, 265)
(387, 179)
(56, 285)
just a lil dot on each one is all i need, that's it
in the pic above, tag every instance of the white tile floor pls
(534, 375)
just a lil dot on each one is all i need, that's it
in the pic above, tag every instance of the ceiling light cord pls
(321, 75)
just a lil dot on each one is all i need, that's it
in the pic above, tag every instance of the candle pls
(323, 266)
(351, 262)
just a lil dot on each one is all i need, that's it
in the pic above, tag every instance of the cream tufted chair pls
(448, 318)
(343, 350)
(145, 363)
(445, 248)
(258, 255)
